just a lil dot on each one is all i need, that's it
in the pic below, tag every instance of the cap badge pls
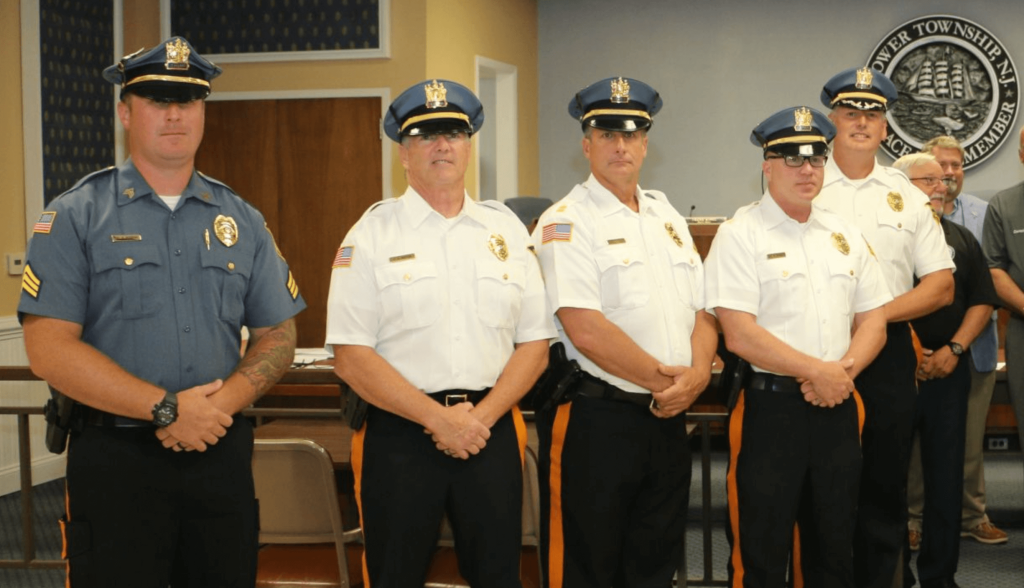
(177, 55)
(802, 119)
(895, 201)
(864, 78)
(496, 243)
(436, 95)
(226, 230)
(839, 242)
(672, 233)
(620, 91)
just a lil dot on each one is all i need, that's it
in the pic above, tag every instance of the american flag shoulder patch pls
(556, 232)
(293, 286)
(343, 257)
(30, 284)
(45, 223)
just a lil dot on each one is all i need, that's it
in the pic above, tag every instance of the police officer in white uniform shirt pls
(896, 219)
(800, 297)
(438, 319)
(626, 281)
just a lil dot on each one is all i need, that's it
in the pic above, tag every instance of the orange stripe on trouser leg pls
(735, 439)
(918, 349)
(64, 536)
(798, 566)
(521, 434)
(860, 413)
(556, 540)
(358, 444)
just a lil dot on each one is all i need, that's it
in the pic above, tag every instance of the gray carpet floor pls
(981, 566)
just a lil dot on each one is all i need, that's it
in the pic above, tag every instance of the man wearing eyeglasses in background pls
(967, 211)
(800, 297)
(944, 380)
(897, 222)
(438, 319)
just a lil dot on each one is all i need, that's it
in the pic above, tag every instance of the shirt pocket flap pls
(126, 255)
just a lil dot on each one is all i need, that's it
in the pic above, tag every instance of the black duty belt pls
(453, 397)
(592, 387)
(98, 418)
(773, 383)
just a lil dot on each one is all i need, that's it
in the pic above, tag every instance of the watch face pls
(164, 414)
(956, 348)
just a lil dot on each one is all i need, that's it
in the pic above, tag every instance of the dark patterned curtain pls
(76, 41)
(263, 26)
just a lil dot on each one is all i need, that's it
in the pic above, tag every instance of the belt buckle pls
(453, 399)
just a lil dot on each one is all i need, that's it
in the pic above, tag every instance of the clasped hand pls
(199, 424)
(461, 433)
(937, 363)
(687, 384)
(830, 385)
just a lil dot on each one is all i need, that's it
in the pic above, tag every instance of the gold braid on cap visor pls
(179, 79)
(615, 112)
(433, 116)
(796, 139)
(864, 95)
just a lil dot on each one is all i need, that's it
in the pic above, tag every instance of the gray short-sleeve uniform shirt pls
(163, 293)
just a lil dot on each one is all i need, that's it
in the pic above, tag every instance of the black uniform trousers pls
(142, 516)
(405, 486)
(615, 484)
(941, 427)
(792, 463)
(889, 391)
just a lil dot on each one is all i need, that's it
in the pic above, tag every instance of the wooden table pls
(332, 434)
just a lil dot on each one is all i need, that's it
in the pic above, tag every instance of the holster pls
(354, 409)
(734, 376)
(59, 412)
(556, 384)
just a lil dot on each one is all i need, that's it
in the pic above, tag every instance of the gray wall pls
(722, 67)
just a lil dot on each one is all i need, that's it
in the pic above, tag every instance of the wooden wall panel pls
(312, 167)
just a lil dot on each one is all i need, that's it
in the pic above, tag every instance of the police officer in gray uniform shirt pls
(138, 283)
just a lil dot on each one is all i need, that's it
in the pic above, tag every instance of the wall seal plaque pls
(955, 78)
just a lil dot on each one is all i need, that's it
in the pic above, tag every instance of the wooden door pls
(312, 167)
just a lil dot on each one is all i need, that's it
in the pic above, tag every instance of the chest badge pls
(226, 230)
(895, 201)
(496, 243)
(839, 242)
(672, 233)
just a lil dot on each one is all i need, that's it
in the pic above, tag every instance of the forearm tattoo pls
(268, 357)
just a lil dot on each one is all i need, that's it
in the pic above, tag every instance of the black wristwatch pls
(165, 412)
(956, 348)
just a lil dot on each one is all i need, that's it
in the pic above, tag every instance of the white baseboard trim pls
(44, 469)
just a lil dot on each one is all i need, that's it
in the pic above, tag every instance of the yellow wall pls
(506, 31)
(12, 165)
(429, 38)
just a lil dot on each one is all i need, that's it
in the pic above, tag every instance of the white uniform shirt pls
(896, 219)
(804, 282)
(432, 295)
(597, 254)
